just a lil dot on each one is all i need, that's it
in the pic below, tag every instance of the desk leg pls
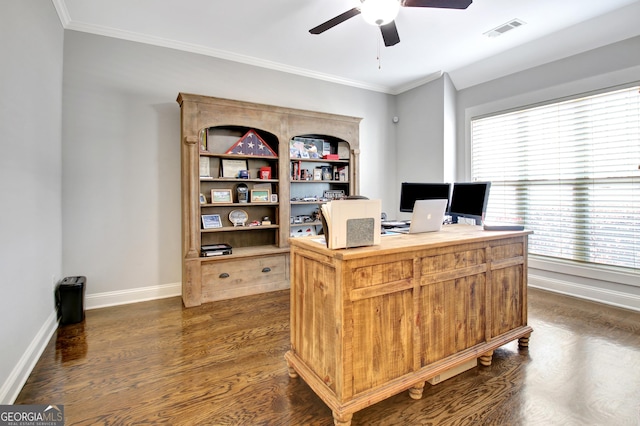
(416, 391)
(342, 419)
(292, 372)
(485, 359)
(523, 342)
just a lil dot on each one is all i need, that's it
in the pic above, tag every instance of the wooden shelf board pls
(248, 252)
(319, 181)
(239, 228)
(238, 156)
(236, 180)
(319, 160)
(304, 203)
(238, 205)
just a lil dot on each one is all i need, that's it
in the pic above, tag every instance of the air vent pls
(514, 23)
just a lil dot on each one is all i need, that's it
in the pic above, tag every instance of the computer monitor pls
(412, 191)
(469, 199)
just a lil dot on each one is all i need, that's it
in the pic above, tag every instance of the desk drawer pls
(224, 279)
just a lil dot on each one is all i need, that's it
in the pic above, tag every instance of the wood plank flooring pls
(222, 364)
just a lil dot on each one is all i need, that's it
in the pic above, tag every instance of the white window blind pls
(570, 172)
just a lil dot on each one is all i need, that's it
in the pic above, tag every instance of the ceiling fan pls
(383, 12)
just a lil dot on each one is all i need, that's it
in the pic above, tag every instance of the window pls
(570, 171)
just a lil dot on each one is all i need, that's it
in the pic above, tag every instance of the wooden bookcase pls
(260, 258)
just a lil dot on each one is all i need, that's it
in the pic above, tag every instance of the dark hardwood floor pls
(222, 364)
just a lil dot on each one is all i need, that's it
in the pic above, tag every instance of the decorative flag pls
(251, 144)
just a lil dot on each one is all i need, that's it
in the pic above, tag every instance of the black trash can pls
(70, 299)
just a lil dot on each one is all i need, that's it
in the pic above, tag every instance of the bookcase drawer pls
(223, 279)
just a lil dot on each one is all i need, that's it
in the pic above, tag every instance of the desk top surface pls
(397, 243)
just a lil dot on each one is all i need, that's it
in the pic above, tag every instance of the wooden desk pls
(370, 322)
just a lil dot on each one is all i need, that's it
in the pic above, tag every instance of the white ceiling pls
(275, 34)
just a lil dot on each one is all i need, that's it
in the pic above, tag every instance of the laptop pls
(428, 216)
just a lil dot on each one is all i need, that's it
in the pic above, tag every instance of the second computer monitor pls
(412, 191)
(469, 199)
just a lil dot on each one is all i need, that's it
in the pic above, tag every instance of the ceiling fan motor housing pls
(379, 12)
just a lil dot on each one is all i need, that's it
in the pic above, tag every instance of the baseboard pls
(18, 377)
(609, 297)
(123, 297)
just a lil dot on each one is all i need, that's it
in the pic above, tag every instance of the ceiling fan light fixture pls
(379, 12)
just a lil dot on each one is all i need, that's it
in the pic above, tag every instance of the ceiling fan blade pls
(335, 21)
(390, 34)
(441, 4)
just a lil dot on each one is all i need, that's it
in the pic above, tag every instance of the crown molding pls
(69, 24)
(63, 13)
(416, 83)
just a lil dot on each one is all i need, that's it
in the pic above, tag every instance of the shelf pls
(320, 160)
(237, 205)
(237, 180)
(308, 203)
(316, 223)
(239, 228)
(238, 156)
(320, 181)
(241, 252)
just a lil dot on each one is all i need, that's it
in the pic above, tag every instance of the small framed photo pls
(317, 173)
(327, 173)
(210, 221)
(260, 195)
(205, 167)
(203, 199)
(221, 196)
(274, 198)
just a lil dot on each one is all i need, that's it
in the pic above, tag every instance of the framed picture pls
(327, 173)
(210, 221)
(205, 167)
(231, 168)
(260, 196)
(334, 194)
(221, 196)
(274, 198)
(203, 199)
(317, 173)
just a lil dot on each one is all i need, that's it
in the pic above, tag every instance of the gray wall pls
(425, 136)
(121, 140)
(598, 69)
(419, 133)
(30, 187)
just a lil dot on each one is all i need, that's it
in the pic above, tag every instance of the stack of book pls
(215, 250)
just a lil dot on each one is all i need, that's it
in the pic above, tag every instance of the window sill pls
(629, 277)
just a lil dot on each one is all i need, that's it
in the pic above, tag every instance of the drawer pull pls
(224, 275)
(267, 269)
